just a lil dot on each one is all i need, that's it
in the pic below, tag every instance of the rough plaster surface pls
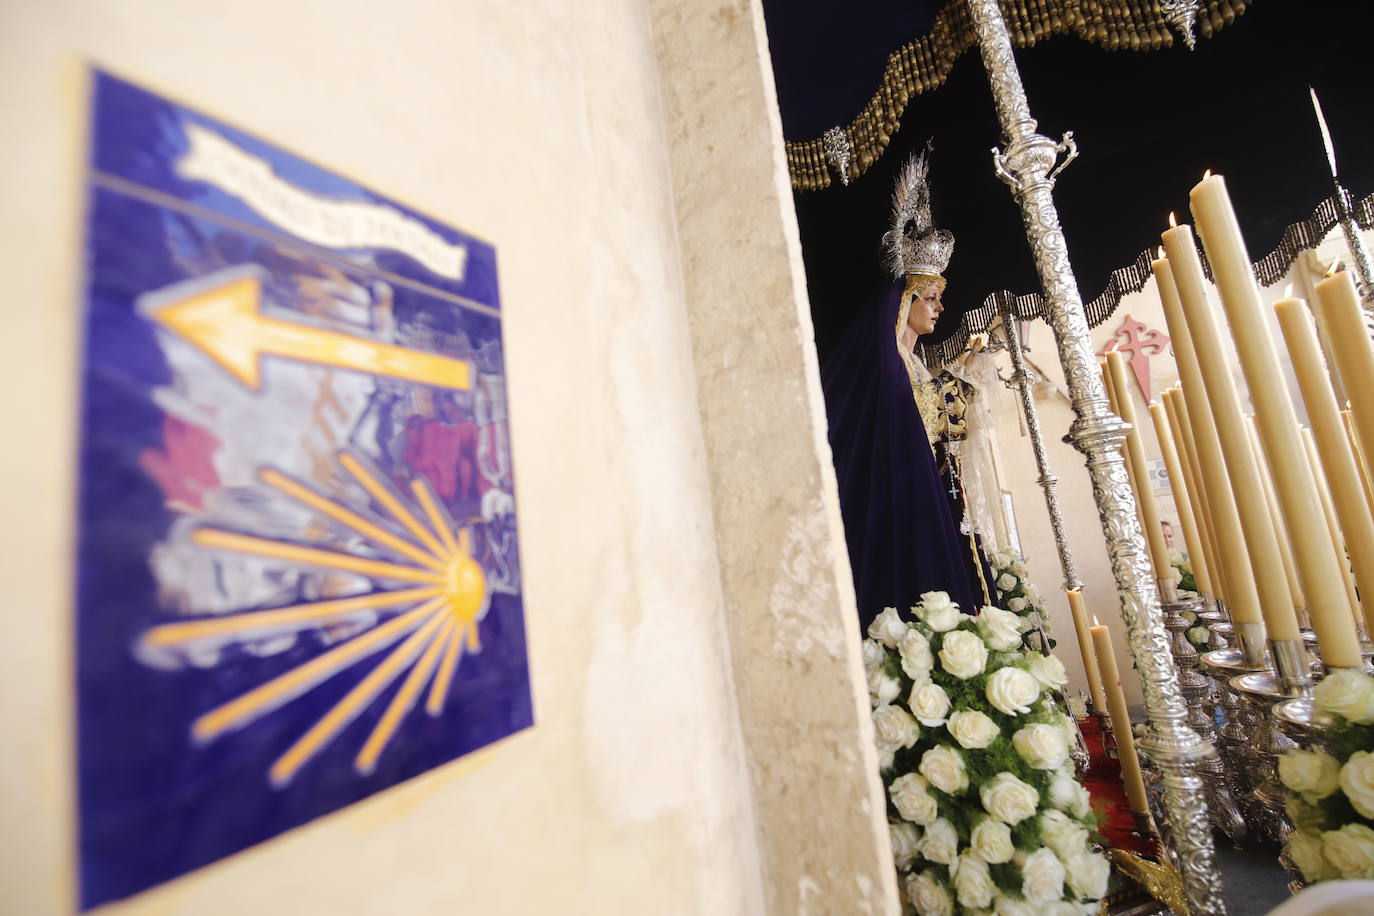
(804, 708)
(540, 127)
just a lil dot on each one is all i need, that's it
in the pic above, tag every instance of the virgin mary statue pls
(891, 424)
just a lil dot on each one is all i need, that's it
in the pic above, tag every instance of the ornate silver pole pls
(1021, 380)
(1345, 212)
(1029, 167)
(1359, 253)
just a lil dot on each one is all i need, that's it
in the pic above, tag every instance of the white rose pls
(991, 839)
(1018, 569)
(1199, 636)
(1049, 671)
(1067, 837)
(1068, 794)
(887, 627)
(910, 795)
(1347, 693)
(1357, 782)
(941, 842)
(1068, 727)
(1042, 877)
(1003, 905)
(930, 703)
(1087, 873)
(1006, 582)
(883, 687)
(874, 655)
(1313, 774)
(1001, 629)
(894, 727)
(906, 842)
(1032, 593)
(1175, 556)
(944, 768)
(928, 895)
(964, 654)
(972, 729)
(886, 759)
(1012, 691)
(1008, 799)
(1350, 850)
(939, 612)
(972, 883)
(1016, 604)
(1305, 849)
(1041, 746)
(915, 651)
(1305, 816)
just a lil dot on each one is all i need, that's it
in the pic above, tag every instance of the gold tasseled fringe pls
(924, 64)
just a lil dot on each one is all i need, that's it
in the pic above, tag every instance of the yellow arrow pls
(225, 322)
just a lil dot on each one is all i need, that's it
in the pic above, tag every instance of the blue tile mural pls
(298, 575)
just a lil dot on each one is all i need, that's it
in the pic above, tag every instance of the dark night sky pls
(1147, 125)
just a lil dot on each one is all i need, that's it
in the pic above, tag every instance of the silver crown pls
(913, 245)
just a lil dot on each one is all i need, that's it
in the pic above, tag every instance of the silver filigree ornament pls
(912, 245)
(1175, 748)
(1182, 15)
(837, 152)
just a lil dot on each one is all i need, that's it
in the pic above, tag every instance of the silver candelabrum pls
(1029, 165)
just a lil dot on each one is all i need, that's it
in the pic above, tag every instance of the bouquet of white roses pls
(1197, 632)
(1331, 789)
(1017, 593)
(985, 811)
(1184, 567)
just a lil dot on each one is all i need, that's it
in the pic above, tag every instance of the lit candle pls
(1202, 512)
(1340, 307)
(1348, 422)
(1280, 530)
(1337, 462)
(1082, 630)
(1121, 721)
(1247, 578)
(1114, 404)
(1278, 425)
(1329, 512)
(1182, 499)
(1135, 454)
(1107, 386)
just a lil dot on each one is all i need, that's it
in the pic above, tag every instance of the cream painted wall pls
(536, 125)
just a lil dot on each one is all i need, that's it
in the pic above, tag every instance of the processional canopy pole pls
(1022, 380)
(1029, 165)
(1345, 212)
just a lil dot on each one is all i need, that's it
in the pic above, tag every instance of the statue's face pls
(925, 309)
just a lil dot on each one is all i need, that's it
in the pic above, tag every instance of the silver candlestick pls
(1029, 165)
(1290, 677)
(1197, 693)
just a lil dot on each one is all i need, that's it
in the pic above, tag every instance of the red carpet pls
(1103, 781)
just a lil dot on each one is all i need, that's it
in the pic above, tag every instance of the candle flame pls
(1096, 622)
(1288, 291)
(1335, 266)
(1173, 220)
(1207, 174)
(1160, 252)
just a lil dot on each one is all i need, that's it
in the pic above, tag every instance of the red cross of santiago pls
(1137, 340)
